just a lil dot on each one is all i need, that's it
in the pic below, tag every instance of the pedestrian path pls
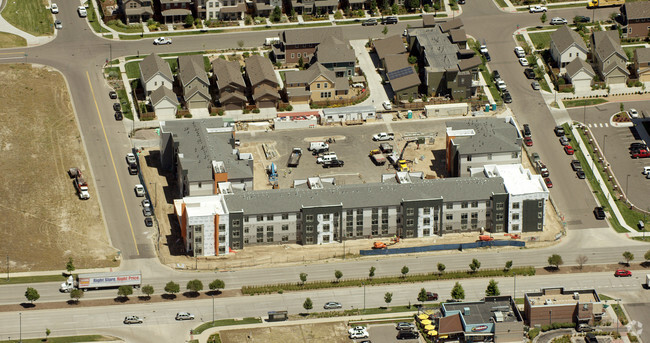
(594, 125)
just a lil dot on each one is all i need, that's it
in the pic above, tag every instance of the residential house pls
(137, 11)
(402, 77)
(357, 4)
(296, 44)
(642, 64)
(264, 8)
(175, 11)
(194, 81)
(458, 37)
(566, 46)
(230, 84)
(164, 102)
(317, 84)
(262, 81)
(557, 305)
(636, 16)
(580, 74)
(336, 55)
(207, 9)
(322, 7)
(155, 72)
(444, 68)
(232, 9)
(477, 142)
(392, 45)
(608, 57)
(429, 20)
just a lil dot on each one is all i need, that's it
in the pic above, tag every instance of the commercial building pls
(557, 305)
(494, 319)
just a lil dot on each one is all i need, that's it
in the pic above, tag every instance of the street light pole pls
(627, 180)
(20, 318)
(604, 142)
(618, 302)
(7, 267)
(213, 307)
(364, 297)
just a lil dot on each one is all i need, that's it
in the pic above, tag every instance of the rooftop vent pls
(314, 183)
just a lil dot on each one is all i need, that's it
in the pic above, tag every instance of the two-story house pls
(263, 8)
(297, 44)
(175, 11)
(194, 81)
(230, 84)
(232, 9)
(336, 55)
(317, 84)
(155, 72)
(608, 57)
(402, 77)
(164, 102)
(636, 17)
(137, 11)
(642, 64)
(262, 81)
(207, 9)
(567, 45)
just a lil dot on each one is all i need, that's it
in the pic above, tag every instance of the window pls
(285, 227)
(515, 227)
(246, 240)
(474, 226)
(309, 228)
(309, 217)
(515, 205)
(326, 228)
(448, 228)
(246, 219)
(375, 210)
(449, 217)
(198, 239)
(235, 223)
(222, 227)
(463, 216)
(325, 85)
(474, 204)
(260, 229)
(359, 221)
(469, 158)
(499, 206)
(285, 238)
(349, 212)
(570, 54)
(463, 227)
(375, 221)
(515, 216)
(260, 239)
(236, 245)
(499, 216)
(298, 55)
(539, 215)
(384, 219)
(384, 230)
(293, 55)
(410, 211)
(269, 228)
(309, 240)
(326, 216)
(426, 210)
(246, 229)
(359, 232)
(499, 227)
(285, 216)
(260, 218)
(318, 85)
(539, 226)
(426, 221)
(375, 231)
(426, 232)
(359, 212)
(409, 222)
(235, 234)
(540, 203)
(474, 215)
(325, 94)
(269, 217)
(449, 206)
(463, 204)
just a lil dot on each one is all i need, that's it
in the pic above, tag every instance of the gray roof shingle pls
(642, 55)
(402, 81)
(607, 43)
(161, 93)
(564, 37)
(440, 53)
(637, 10)
(446, 26)
(492, 135)
(260, 69)
(389, 46)
(310, 36)
(191, 67)
(227, 72)
(153, 65)
(334, 50)
(578, 64)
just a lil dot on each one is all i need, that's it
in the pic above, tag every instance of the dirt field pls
(44, 220)
(308, 333)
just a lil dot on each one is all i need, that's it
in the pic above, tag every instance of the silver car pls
(132, 320)
(332, 305)
(535, 85)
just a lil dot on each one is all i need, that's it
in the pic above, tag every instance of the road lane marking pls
(110, 152)
(12, 53)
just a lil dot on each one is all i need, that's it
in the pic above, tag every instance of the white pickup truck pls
(537, 9)
(383, 136)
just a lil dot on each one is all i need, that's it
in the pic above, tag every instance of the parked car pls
(333, 164)
(519, 51)
(162, 41)
(369, 22)
(642, 153)
(405, 326)
(130, 158)
(537, 9)
(148, 222)
(548, 182)
(633, 113)
(184, 316)
(623, 272)
(359, 334)
(528, 141)
(581, 19)
(132, 320)
(387, 105)
(530, 73)
(584, 328)
(139, 190)
(580, 174)
(112, 94)
(389, 20)
(332, 305)
(356, 328)
(535, 157)
(526, 130)
(487, 57)
(507, 98)
(501, 85)
(82, 11)
(495, 75)
(54, 8)
(591, 338)
(432, 296)
(483, 49)
(118, 115)
(575, 165)
(535, 85)
(117, 106)
(564, 140)
(559, 131)
(403, 334)
(58, 25)
(599, 213)
(146, 207)
(637, 145)
(558, 21)
(523, 62)
(568, 149)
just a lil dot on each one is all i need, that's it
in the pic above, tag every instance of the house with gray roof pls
(337, 56)
(155, 72)
(164, 102)
(301, 44)
(474, 143)
(262, 81)
(566, 46)
(264, 8)
(201, 154)
(175, 11)
(609, 59)
(194, 81)
(642, 64)
(137, 11)
(580, 74)
(316, 84)
(636, 16)
(402, 77)
(230, 84)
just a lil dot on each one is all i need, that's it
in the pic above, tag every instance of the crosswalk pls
(598, 125)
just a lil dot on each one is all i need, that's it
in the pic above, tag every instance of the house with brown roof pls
(428, 20)
(392, 45)
(155, 72)
(164, 102)
(580, 74)
(636, 17)
(642, 64)
(262, 82)
(175, 11)
(297, 44)
(194, 81)
(336, 55)
(232, 9)
(230, 84)
(263, 8)
(609, 59)
(137, 11)
(402, 77)
(316, 84)
(566, 46)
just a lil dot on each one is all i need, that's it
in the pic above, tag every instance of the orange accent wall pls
(216, 235)
(219, 177)
(183, 223)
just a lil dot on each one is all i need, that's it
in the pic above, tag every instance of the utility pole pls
(7, 267)
(20, 337)
(213, 307)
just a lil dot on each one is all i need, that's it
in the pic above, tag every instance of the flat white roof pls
(204, 205)
(517, 179)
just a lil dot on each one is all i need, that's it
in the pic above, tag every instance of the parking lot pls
(386, 333)
(352, 145)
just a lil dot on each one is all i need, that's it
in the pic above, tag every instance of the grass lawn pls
(411, 17)
(226, 322)
(620, 314)
(9, 40)
(348, 22)
(67, 339)
(520, 38)
(132, 69)
(544, 85)
(493, 89)
(541, 40)
(502, 3)
(30, 16)
(92, 17)
(583, 102)
(31, 279)
(126, 103)
(629, 50)
(551, 6)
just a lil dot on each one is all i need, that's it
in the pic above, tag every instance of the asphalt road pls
(159, 324)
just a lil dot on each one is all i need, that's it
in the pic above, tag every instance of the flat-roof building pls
(557, 305)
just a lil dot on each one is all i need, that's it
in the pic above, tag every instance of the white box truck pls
(647, 281)
(102, 280)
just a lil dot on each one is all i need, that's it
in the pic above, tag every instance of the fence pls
(455, 246)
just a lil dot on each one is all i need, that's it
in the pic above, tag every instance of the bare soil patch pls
(322, 332)
(44, 222)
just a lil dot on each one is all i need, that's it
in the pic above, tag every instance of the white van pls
(519, 51)
(330, 156)
(318, 146)
(646, 170)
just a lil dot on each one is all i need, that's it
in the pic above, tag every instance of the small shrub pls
(188, 115)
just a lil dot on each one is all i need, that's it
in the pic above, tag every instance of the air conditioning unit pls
(576, 295)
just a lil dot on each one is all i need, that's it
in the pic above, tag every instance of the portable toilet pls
(494, 106)
(409, 114)
(487, 107)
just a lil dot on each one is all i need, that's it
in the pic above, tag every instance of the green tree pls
(388, 297)
(371, 273)
(32, 294)
(394, 9)
(308, 304)
(172, 287)
(405, 270)
(47, 334)
(647, 255)
(413, 60)
(303, 278)
(441, 268)
(457, 292)
(147, 290)
(543, 18)
(492, 289)
(628, 256)
(195, 286)
(385, 30)
(76, 294)
(508, 265)
(555, 260)
(216, 285)
(70, 265)
(301, 62)
(124, 291)
(475, 265)
(189, 20)
(412, 4)
(422, 296)
(240, 43)
(276, 16)
(338, 275)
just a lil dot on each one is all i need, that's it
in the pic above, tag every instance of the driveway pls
(377, 92)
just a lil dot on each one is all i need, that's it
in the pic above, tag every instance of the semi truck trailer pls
(102, 280)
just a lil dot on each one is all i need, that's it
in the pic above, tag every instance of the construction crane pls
(401, 162)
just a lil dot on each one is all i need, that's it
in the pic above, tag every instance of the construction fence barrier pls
(440, 247)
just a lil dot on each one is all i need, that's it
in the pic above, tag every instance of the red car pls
(528, 141)
(623, 272)
(641, 154)
(548, 182)
(568, 149)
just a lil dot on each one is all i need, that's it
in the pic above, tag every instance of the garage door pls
(165, 112)
(266, 104)
(582, 85)
(231, 106)
(616, 79)
(197, 104)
